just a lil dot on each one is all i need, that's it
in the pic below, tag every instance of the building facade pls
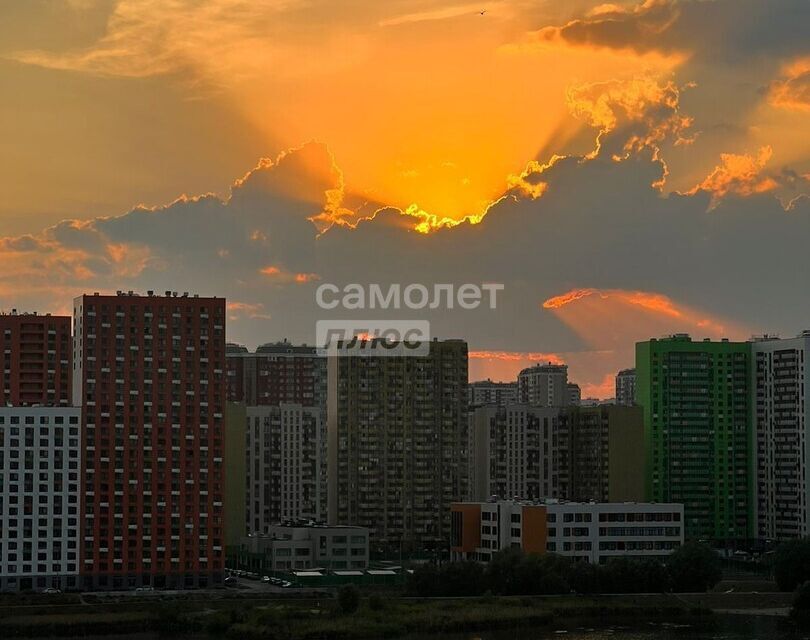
(696, 402)
(599, 454)
(36, 352)
(574, 394)
(511, 452)
(591, 532)
(544, 385)
(626, 387)
(235, 469)
(285, 466)
(40, 479)
(307, 546)
(780, 379)
(487, 392)
(149, 373)
(276, 373)
(398, 443)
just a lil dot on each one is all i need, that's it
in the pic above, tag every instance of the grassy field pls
(376, 617)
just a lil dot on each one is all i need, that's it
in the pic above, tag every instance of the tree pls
(694, 567)
(461, 579)
(801, 606)
(791, 564)
(348, 599)
(513, 572)
(585, 577)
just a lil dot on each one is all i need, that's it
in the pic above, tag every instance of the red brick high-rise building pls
(35, 351)
(149, 375)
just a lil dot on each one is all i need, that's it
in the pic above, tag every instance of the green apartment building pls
(696, 403)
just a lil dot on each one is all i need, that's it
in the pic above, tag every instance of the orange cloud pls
(254, 311)
(605, 388)
(611, 321)
(792, 89)
(738, 174)
(513, 356)
(617, 318)
(637, 29)
(647, 108)
(283, 276)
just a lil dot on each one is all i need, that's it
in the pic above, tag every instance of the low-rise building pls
(593, 532)
(40, 476)
(287, 547)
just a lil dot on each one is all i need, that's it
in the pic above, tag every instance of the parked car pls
(51, 590)
(266, 579)
(230, 580)
(285, 584)
(144, 589)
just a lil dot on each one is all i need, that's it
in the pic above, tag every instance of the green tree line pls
(693, 567)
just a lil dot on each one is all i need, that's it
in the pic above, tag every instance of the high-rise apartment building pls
(285, 479)
(626, 387)
(276, 373)
(544, 385)
(283, 389)
(487, 392)
(40, 478)
(36, 359)
(599, 454)
(574, 394)
(397, 442)
(149, 373)
(511, 452)
(696, 402)
(780, 378)
(235, 461)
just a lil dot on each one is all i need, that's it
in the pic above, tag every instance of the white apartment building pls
(781, 446)
(487, 392)
(511, 452)
(285, 463)
(592, 532)
(40, 475)
(544, 385)
(311, 546)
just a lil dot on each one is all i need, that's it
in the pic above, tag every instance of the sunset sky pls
(626, 170)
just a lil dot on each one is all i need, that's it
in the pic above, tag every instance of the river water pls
(721, 627)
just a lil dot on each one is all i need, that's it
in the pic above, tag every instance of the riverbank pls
(306, 619)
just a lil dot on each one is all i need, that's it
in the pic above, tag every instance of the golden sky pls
(428, 106)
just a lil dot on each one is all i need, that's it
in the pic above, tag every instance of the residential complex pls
(284, 463)
(511, 452)
(149, 373)
(544, 385)
(487, 392)
(282, 388)
(780, 380)
(36, 359)
(696, 398)
(599, 454)
(626, 387)
(397, 442)
(277, 372)
(592, 532)
(40, 476)
(574, 394)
